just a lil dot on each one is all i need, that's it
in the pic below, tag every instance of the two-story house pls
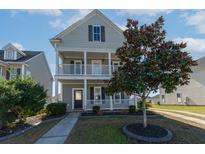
(85, 58)
(19, 63)
(191, 94)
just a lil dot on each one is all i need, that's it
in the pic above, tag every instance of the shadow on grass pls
(108, 130)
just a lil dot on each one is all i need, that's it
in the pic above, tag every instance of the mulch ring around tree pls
(152, 133)
(118, 112)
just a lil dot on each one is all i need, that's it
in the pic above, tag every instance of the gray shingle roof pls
(29, 55)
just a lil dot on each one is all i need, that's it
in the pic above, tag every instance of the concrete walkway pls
(185, 112)
(59, 133)
(195, 120)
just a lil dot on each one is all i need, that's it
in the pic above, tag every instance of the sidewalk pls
(186, 112)
(195, 120)
(59, 133)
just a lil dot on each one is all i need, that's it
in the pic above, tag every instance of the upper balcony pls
(89, 65)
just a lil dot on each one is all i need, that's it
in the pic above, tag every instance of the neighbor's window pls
(96, 33)
(179, 98)
(117, 98)
(163, 98)
(10, 55)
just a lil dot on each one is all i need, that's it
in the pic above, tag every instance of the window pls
(117, 98)
(179, 98)
(9, 55)
(163, 98)
(96, 33)
(14, 72)
(28, 73)
(97, 95)
(78, 67)
(115, 65)
(96, 67)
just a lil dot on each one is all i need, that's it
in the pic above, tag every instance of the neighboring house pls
(191, 94)
(85, 57)
(15, 62)
(154, 99)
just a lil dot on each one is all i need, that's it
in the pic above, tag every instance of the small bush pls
(132, 109)
(56, 108)
(158, 103)
(140, 106)
(96, 109)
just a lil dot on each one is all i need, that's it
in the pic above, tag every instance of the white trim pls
(80, 67)
(96, 33)
(119, 99)
(100, 101)
(100, 63)
(81, 77)
(73, 89)
(96, 50)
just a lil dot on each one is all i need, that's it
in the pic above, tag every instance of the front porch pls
(84, 94)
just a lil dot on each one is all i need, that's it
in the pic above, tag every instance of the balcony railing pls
(91, 69)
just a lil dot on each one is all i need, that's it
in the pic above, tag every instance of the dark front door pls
(78, 99)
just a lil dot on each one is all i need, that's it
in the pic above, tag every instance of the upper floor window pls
(96, 33)
(11, 55)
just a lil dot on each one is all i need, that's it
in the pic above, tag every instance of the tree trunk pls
(144, 114)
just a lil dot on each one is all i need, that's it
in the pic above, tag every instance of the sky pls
(32, 29)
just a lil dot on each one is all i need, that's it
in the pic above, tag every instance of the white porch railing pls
(78, 69)
(106, 105)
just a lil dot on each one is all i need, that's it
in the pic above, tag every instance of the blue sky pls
(32, 29)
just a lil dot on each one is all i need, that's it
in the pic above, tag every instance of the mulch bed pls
(11, 130)
(149, 131)
(90, 113)
(31, 121)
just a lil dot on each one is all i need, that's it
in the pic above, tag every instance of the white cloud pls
(197, 20)
(49, 12)
(193, 44)
(123, 27)
(141, 12)
(18, 45)
(63, 23)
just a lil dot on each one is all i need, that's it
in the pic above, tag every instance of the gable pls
(76, 37)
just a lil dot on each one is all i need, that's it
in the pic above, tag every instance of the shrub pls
(132, 109)
(56, 108)
(147, 104)
(32, 98)
(96, 109)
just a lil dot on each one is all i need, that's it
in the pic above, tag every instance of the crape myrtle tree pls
(149, 61)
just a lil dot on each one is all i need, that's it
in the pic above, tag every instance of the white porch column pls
(111, 104)
(23, 71)
(57, 66)
(85, 62)
(109, 63)
(85, 94)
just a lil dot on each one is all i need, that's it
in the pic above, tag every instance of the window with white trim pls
(14, 72)
(163, 98)
(97, 33)
(117, 98)
(179, 98)
(9, 55)
(97, 95)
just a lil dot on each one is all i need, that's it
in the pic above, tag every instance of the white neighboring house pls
(85, 57)
(15, 62)
(191, 94)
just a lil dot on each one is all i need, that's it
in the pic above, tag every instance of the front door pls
(78, 99)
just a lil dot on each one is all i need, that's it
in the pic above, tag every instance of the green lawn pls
(195, 109)
(109, 130)
(32, 135)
